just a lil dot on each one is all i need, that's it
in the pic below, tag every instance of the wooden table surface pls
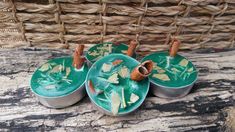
(208, 107)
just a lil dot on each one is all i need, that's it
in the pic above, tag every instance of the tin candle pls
(60, 82)
(110, 87)
(173, 75)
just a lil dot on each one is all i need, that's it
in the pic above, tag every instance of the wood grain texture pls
(208, 107)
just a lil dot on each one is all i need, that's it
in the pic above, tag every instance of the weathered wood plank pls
(205, 108)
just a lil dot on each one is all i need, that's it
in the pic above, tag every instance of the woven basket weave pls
(64, 23)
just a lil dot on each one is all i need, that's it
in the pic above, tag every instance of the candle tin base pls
(169, 93)
(65, 101)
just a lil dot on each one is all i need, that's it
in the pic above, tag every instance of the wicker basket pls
(64, 23)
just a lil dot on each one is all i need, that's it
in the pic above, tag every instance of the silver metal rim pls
(65, 101)
(170, 93)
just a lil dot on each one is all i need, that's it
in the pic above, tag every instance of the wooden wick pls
(131, 48)
(78, 60)
(142, 71)
(80, 49)
(174, 47)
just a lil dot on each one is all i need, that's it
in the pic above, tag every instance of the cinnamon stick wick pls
(174, 47)
(78, 60)
(131, 49)
(142, 71)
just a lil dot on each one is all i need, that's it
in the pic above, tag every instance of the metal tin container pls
(172, 77)
(99, 50)
(104, 84)
(57, 84)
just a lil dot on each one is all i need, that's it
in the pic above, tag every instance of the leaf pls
(44, 67)
(190, 69)
(124, 51)
(50, 87)
(106, 96)
(162, 77)
(104, 100)
(41, 81)
(123, 99)
(183, 62)
(123, 72)
(106, 67)
(134, 98)
(56, 69)
(182, 73)
(175, 70)
(110, 48)
(106, 53)
(49, 77)
(115, 103)
(185, 76)
(67, 80)
(98, 91)
(101, 53)
(105, 47)
(53, 64)
(158, 69)
(93, 53)
(68, 70)
(63, 66)
(101, 79)
(113, 78)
